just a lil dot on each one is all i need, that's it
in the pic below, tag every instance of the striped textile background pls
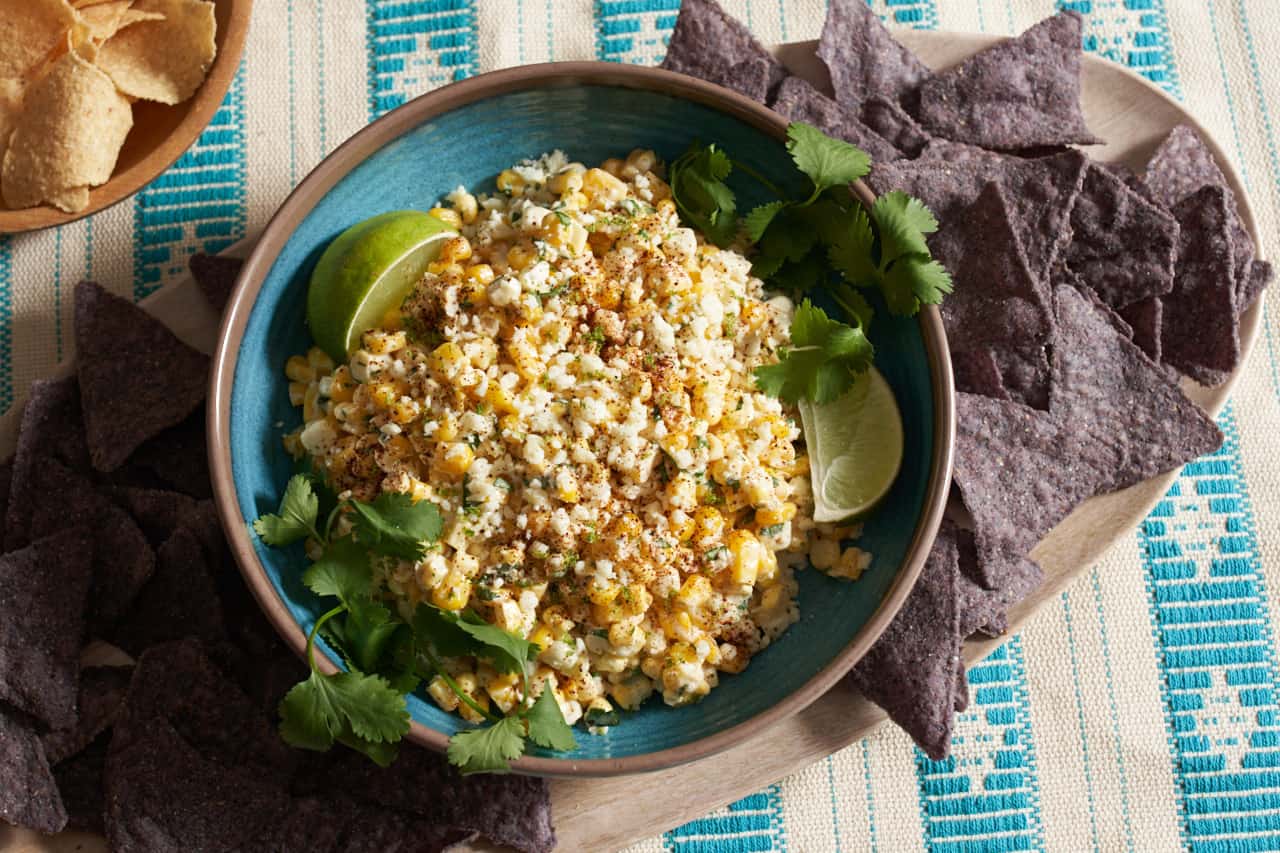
(1139, 712)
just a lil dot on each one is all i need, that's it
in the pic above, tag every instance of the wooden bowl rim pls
(201, 108)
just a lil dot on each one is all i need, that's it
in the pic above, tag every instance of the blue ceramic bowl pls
(465, 134)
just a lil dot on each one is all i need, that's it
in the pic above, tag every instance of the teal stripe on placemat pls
(417, 46)
(198, 204)
(1134, 33)
(753, 823)
(1216, 653)
(986, 795)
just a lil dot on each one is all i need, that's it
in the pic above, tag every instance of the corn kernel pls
(453, 593)
(681, 525)
(768, 516)
(682, 492)
(499, 399)
(625, 526)
(404, 410)
(482, 273)
(446, 215)
(342, 390)
(298, 370)
(443, 694)
(465, 204)
(311, 409)
(297, 392)
(565, 182)
(319, 359)
(694, 592)
(455, 249)
(509, 181)
(543, 637)
(521, 256)
(642, 159)
(457, 458)
(446, 428)
(603, 594)
(708, 524)
(382, 395)
(447, 358)
(768, 567)
(613, 166)
(746, 553)
(824, 553)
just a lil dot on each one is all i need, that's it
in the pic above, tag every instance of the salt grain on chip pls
(67, 137)
(163, 60)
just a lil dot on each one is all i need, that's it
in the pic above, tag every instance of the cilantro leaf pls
(828, 218)
(296, 519)
(505, 650)
(382, 754)
(826, 358)
(851, 253)
(439, 629)
(802, 275)
(702, 196)
(367, 633)
(913, 280)
(547, 727)
(828, 162)
(396, 526)
(788, 236)
(760, 217)
(342, 570)
(854, 304)
(898, 218)
(488, 749)
(343, 705)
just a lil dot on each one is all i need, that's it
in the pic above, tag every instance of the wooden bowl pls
(160, 133)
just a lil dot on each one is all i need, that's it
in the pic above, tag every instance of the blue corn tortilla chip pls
(983, 610)
(1182, 166)
(179, 600)
(162, 794)
(510, 810)
(709, 44)
(136, 377)
(158, 512)
(798, 101)
(977, 371)
(6, 482)
(911, 671)
(1200, 335)
(1116, 418)
(216, 276)
(29, 796)
(1020, 93)
(52, 428)
(948, 177)
(1260, 275)
(999, 310)
(178, 682)
(1130, 417)
(122, 557)
(1146, 319)
(43, 590)
(864, 60)
(99, 700)
(888, 119)
(177, 458)
(1122, 246)
(79, 780)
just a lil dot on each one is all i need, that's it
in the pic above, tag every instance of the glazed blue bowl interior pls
(469, 146)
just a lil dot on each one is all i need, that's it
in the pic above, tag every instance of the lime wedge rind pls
(367, 270)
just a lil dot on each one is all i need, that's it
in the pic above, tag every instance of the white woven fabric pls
(1138, 712)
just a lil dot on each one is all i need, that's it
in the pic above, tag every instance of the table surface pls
(1138, 712)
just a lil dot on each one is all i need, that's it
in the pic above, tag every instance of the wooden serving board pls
(607, 814)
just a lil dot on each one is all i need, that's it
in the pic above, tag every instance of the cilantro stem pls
(328, 525)
(315, 630)
(768, 184)
(453, 685)
(840, 300)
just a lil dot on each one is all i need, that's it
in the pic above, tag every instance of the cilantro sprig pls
(388, 656)
(823, 237)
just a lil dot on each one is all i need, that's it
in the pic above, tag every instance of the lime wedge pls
(855, 448)
(367, 271)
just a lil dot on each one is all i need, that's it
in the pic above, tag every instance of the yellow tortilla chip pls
(68, 135)
(106, 19)
(163, 60)
(11, 89)
(71, 200)
(29, 29)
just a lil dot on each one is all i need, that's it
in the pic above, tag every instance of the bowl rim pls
(124, 185)
(396, 123)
